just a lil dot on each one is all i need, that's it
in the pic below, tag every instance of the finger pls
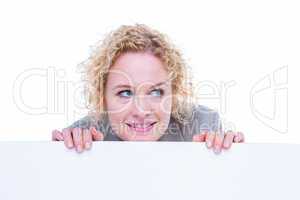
(96, 135)
(200, 137)
(77, 138)
(239, 137)
(218, 142)
(210, 139)
(87, 139)
(229, 136)
(57, 135)
(68, 138)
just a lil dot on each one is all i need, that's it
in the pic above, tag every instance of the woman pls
(137, 90)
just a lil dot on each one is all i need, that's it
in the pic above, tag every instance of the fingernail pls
(217, 149)
(208, 144)
(70, 145)
(87, 145)
(226, 145)
(236, 139)
(79, 148)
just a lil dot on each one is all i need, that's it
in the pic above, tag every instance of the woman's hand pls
(77, 137)
(219, 141)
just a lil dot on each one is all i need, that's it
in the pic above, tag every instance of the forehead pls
(135, 68)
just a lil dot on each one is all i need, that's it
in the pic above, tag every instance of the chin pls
(131, 135)
(144, 138)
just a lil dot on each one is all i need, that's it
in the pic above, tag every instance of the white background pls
(150, 170)
(253, 46)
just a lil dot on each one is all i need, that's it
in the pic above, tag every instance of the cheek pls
(166, 105)
(116, 105)
(115, 117)
(163, 111)
(116, 111)
(116, 122)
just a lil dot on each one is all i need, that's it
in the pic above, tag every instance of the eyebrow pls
(128, 86)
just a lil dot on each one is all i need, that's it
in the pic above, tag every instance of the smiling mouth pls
(141, 128)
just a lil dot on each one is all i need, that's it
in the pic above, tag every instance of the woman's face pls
(138, 97)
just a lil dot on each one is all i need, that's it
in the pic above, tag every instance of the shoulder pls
(202, 119)
(100, 123)
(204, 114)
(84, 122)
(88, 121)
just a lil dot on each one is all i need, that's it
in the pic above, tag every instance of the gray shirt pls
(202, 119)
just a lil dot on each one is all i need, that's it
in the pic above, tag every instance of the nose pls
(141, 107)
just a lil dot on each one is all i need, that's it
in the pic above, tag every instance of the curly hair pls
(136, 38)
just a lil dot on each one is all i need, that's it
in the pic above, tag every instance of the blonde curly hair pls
(137, 38)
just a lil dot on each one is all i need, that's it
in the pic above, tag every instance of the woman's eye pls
(157, 92)
(125, 93)
(128, 93)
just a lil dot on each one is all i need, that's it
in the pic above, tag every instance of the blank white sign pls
(149, 170)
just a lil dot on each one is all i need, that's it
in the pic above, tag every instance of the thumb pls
(96, 135)
(57, 135)
(200, 137)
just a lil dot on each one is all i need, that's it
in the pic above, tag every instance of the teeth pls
(141, 125)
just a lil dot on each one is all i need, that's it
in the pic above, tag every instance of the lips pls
(141, 127)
